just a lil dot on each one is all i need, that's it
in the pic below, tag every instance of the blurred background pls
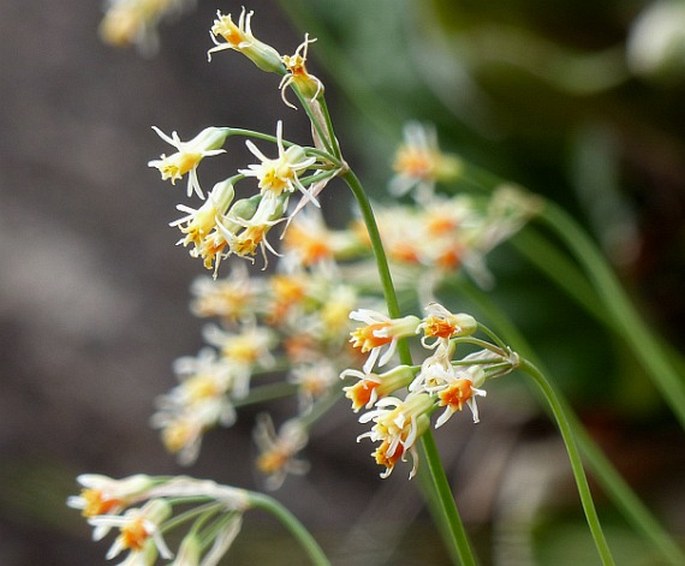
(577, 101)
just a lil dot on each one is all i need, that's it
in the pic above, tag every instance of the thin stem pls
(436, 490)
(635, 512)
(633, 329)
(437, 480)
(574, 456)
(290, 522)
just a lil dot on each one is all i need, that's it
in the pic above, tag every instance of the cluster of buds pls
(440, 381)
(143, 508)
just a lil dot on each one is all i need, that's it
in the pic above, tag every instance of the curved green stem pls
(574, 456)
(635, 512)
(633, 329)
(290, 522)
(436, 490)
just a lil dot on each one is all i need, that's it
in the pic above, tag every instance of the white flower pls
(278, 451)
(280, 174)
(137, 527)
(381, 332)
(102, 495)
(239, 38)
(188, 155)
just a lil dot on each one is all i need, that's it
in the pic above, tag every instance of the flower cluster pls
(296, 319)
(223, 225)
(141, 508)
(441, 380)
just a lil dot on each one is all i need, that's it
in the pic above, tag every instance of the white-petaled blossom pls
(309, 241)
(419, 163)
(240, 38)
(456, 387)
(371, 387)
(443, 325)
(280, 174)
(245, 351)
(102, 495)
(380, 332)
(313, 381)
(233, 298)
(277, 451)
(397, 425)
(201, 401)
(297, 75)
(245, 235)
(199, 226)
(188, 155)
(139, 529)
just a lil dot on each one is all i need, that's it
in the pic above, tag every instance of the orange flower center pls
(97, 503)
(456, 394)
(360, 393)
(439, 327)
(365, 339)
(135, 534)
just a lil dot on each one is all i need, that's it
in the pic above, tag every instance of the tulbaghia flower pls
(200, 226)
(138, 528)
(419, 163)
(245, 234)
(183, 426)
(280, 175)
(380, 332)
(102, 495)
(308, 241)
(442, 325)
(244, 351)
(189, 155)
(308, 85)
(233, 298)
(239, 38)
(277, 451)
(372, 386)
(313, 381)
(461, 386)
(397, 426)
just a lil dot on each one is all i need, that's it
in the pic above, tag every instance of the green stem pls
(446, 506)
(436, 491)
(574, 456)
(629, 324)
(635, 512)
(290, 522)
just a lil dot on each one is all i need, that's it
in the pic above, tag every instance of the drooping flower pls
(102, 495)
(280, 174)
(139, 529)
(442, 325)
(233, 298)
(244, 351)
(380, 332)
(419, 163)
(188, 155)
(371, 387)
(397, 425)
(313, 381)
(309, 86)
(277, 451)
(239, 38)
